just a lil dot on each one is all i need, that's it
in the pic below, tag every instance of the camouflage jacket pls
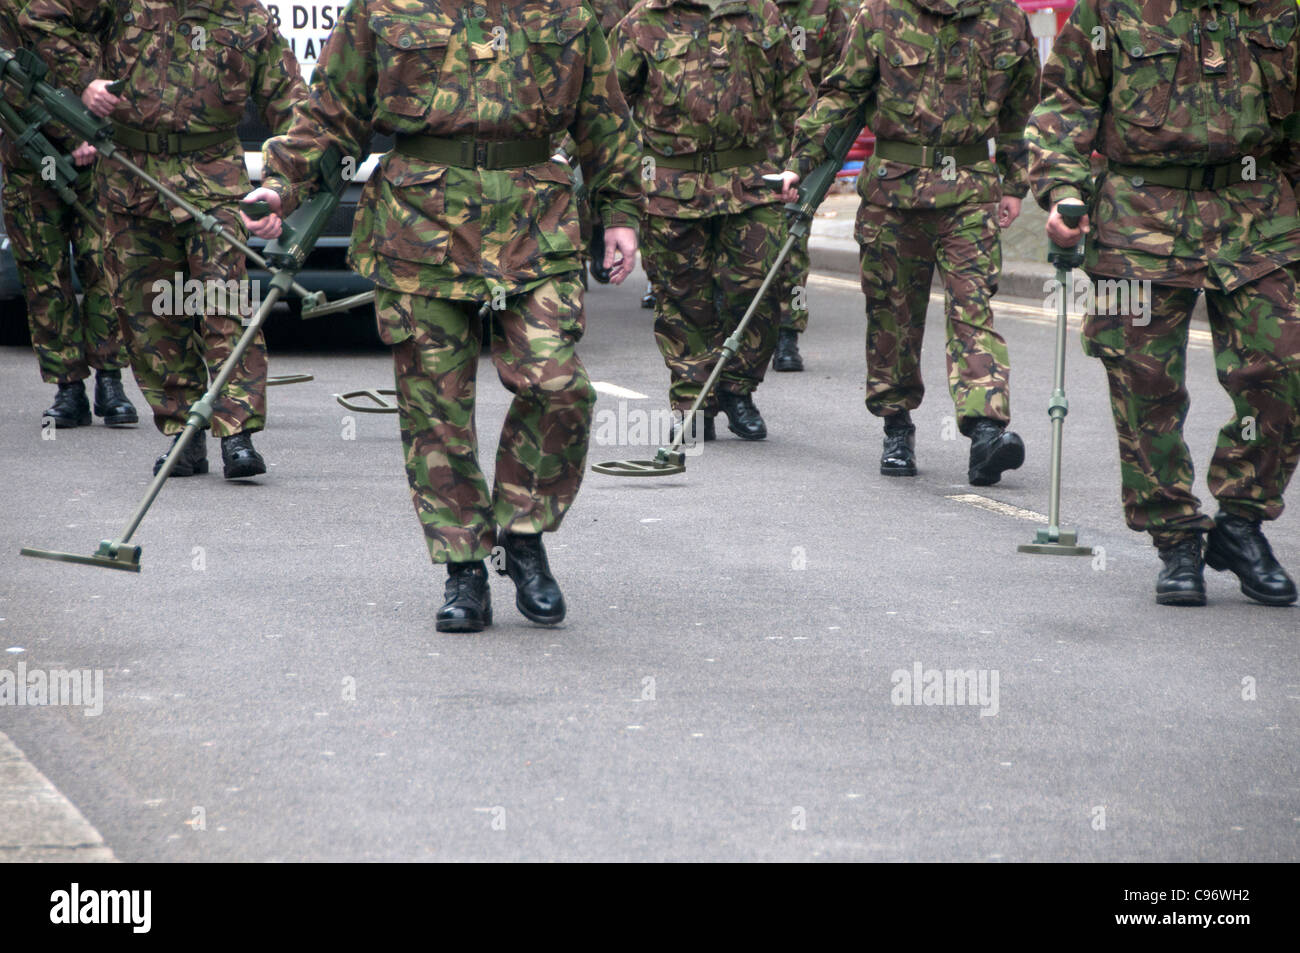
(610, 12)
(931, 73)
(1129, 79)
(817, 32)
(496, 70)
(12, 38)
(703, 80)
(191, 71)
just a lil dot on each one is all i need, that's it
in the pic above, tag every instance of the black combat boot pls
(787, 357)
(1238, 545)
(238, 458)
(1182, 581)
(743, 418)
(70, 408)
(110, 400)
(469, 600)
(899, 455)
(193, 460)
(710, 429)
(993, 449)
(648, 299)
(538, 595)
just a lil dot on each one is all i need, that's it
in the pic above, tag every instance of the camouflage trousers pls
(900, 248)
(50, 241)
(705, 272)
(1256, 335)
(542, 453)
(174, 349)
(793, 281)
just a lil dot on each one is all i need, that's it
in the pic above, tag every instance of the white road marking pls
(41, 825)
(1196, 336)
(603, 387)
(995, 506)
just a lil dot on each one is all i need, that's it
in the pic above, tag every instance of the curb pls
(41, 825)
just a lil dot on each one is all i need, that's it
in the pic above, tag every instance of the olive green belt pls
(473, 153)
(712, 161)
(931, 157)
(170, 143)
(1195, 178)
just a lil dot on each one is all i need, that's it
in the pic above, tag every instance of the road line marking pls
(1046, 316)
(40, 823)
(996, 506)
(615, 391)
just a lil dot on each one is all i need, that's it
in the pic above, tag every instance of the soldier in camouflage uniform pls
(1188, 104)
(69, 337)
(469, 208)
(817, 30)
(714, 85)
(189, 72)
(939, 78)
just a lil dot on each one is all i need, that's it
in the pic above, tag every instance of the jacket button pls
(404, 42)
(1000, 62)
(128, 18)
(479, 12)
(185, 28)
(1138, 181)
(882, 172)
(1136, 52)
(1212, 26)
(896, 60)
(400, 180)
(668, 150)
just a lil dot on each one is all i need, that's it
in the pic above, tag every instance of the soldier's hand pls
(1008, 211)
(789, 181)
(268, 227)
(98, 99)
(1061, 234)
(84, 154)
(620, 252)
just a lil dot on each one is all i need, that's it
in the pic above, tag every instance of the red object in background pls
(866, 141)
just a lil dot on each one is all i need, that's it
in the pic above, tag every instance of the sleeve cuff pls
(288, 194)
(1061, 193)
(612, 217)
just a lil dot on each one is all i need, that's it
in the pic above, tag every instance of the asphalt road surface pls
(729, 682)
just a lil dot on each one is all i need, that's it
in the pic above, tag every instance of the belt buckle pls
(481, 154)
(708, 162)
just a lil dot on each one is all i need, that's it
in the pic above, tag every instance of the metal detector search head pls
(110, 555)
(666, 463)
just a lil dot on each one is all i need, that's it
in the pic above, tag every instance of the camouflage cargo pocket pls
(762, 78)
(1268, 45)
(1145, 65)
(409, 55)
(551, 75)
(666, 75)
(903, 72)
(999, 58)
(1102, 335)
(409, 220)
(556, 213)
(232, 49)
